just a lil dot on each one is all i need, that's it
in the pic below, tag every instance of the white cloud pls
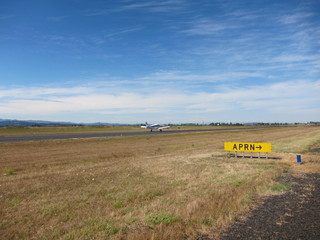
(279, 100)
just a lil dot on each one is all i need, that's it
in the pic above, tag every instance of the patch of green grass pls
(15, 201)
(238, 183)
(285, 170)
(108, 228)
(280, 187)
(105, 227)
(234, 180)
(9, 172)
(280, 184)
(161, 218)
(126, 210)
(132, 220)
(151, 194)
(118, 204)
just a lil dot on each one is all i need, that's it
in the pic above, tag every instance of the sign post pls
(248, 147)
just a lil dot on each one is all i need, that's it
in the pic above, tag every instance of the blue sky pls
(166, 61)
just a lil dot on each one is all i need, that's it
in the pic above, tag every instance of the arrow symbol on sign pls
(259, 147)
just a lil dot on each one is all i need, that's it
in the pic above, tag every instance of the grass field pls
(58, 130)
(143, 187)
(87, 129)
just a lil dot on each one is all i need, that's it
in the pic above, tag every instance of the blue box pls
(298, 158)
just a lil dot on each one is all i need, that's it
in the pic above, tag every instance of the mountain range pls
(40, 123)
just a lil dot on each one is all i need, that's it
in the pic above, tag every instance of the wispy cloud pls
(42, 92)
(243, 15)
(295, 18)
(149, 6)
(185, 76)
(296, 58)
(124, 31)
(205, 26)
(156, 6)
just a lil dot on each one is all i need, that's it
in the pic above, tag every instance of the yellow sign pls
(248, 147)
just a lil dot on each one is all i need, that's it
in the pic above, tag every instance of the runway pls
(44, 137)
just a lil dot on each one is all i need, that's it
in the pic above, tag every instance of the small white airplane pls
(154, 126)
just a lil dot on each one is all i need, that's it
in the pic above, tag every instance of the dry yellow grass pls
(149, 187)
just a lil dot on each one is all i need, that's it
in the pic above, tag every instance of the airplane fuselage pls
(154, 127)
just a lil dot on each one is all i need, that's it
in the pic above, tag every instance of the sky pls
(161, 61)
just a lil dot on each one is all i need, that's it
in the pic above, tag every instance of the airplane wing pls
(158, 126)
(163, 127)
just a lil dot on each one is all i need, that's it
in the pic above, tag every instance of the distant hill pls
(33, 123)
(40, 123)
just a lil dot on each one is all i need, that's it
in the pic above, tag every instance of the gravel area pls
(292, 215)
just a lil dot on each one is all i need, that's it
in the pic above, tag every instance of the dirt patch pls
(292, 215)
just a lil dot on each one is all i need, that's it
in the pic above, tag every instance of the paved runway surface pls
(40, 137)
